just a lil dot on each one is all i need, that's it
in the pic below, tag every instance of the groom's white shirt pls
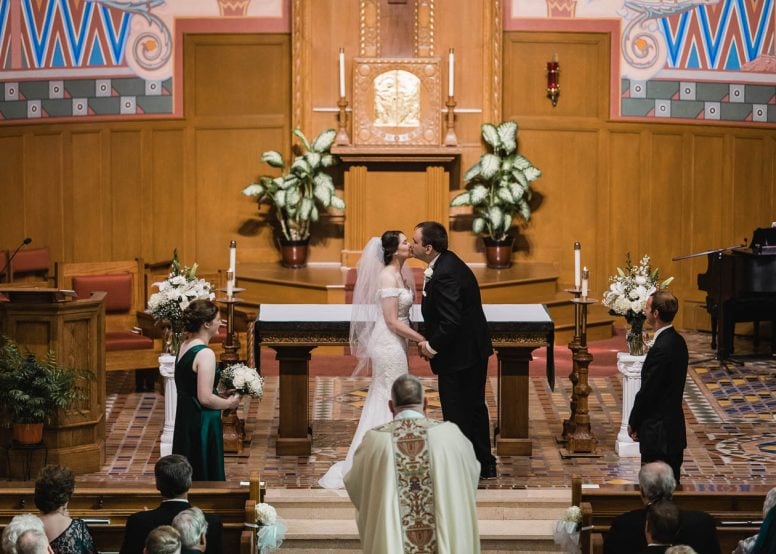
(455, 472)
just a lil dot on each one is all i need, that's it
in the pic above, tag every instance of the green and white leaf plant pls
(303, 189)
(499, 184)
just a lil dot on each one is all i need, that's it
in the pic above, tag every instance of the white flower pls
(573, 514)
(641, 280)
(428, 272)
(239, 381)
(265, 514)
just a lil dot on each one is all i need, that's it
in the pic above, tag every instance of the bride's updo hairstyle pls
(197, 314)
(390, 240)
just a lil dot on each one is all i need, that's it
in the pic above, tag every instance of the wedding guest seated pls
(662, 526)
(192, 526)
(53, 489)
(657, 482)
(163, 540)
(33, 541)
(766, 537)
(173, 479)
(18, 525)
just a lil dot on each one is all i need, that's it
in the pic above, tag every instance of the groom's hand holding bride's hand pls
(423, 350)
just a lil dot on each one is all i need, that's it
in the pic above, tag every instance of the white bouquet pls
(567, 530)
(175, 293)
(244, 380)
(630, 288)
(271, 529)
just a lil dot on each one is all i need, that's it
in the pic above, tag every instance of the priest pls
(414, 481)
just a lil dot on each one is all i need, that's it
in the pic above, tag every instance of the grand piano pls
(740, 283)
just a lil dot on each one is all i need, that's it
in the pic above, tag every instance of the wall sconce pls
(553, 80)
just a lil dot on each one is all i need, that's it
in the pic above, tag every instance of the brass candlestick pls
(574, 346)
(342, 138)
(581, 440)
(451, 139)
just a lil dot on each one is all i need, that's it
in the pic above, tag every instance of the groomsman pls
(457, 339)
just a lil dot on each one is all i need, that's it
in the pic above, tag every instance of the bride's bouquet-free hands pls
(243, 379)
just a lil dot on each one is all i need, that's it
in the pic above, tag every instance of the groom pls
(457, 339)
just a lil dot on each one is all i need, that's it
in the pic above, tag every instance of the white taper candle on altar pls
(451, 73)
(577, 265)
(342, 72)
(233, 257)
(229, 284)
(585, 282)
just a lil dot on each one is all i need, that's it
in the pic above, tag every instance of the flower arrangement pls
(245, 380)
(175, 293)
(271, 529)
(627, 296)
(567, 530)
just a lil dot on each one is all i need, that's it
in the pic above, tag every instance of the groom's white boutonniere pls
(427, 274)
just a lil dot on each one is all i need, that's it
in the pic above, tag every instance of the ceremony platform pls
(523, 283)
(730, 414)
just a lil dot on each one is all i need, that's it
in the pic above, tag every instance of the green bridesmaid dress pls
(198, 435)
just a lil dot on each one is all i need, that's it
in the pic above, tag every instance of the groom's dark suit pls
(455, 328)
(657, 416)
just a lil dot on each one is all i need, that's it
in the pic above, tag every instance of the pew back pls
(738, 513)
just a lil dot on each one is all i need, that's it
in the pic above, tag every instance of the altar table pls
(294, 330)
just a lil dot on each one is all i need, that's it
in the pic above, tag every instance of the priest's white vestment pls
(454, 473)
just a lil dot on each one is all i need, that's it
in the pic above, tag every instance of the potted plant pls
(299, 193)
(31, 391)
(498, 190)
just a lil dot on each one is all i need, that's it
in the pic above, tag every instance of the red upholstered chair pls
(126, 347)
(31, 267)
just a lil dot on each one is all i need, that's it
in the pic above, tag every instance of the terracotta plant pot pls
(498, 253)
(294, 252)
(28, 433)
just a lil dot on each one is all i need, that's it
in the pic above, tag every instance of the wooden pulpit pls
(42, 320)
(294, 330)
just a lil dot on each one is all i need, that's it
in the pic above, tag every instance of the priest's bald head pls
(407, 394)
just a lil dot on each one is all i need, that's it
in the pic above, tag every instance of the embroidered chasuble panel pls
(414, 483)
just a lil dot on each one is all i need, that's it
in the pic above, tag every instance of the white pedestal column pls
(167, 369)
(630, 367)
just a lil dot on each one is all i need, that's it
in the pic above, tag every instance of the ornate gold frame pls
(367, 131)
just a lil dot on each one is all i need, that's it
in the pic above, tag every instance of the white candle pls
(233, 258)
(577, 265)
(451, 73)
(585, 280)
(342, 72)
(229, 285)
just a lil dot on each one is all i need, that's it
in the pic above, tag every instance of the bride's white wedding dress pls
(388, 356)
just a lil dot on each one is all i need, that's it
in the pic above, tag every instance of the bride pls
(379, 331)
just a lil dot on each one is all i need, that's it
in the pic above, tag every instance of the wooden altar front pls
(294, 330)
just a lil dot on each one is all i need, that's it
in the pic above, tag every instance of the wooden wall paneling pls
(85, 217)
(751, 195)
(43, 191)
(584, 74)
(569, 198)
(624, 194)
(662, 209)
(126, 188)
(12, 230)
(168, 197)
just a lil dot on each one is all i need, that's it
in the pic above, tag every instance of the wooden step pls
(509, 520)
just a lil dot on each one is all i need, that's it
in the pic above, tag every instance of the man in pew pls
(33, 541)
(414, 481)
(192, 526)
(662, 525)
(656, 480)
(18, 526)
(173, 479)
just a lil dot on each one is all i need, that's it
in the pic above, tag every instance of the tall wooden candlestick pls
(451, 139)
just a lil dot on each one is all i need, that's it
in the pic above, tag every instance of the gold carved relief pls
(396, 101)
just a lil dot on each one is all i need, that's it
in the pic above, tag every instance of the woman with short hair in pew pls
(53, 490)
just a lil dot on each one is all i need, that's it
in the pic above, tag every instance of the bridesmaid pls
(198, 435)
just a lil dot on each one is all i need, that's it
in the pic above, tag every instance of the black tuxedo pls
(696, 529)
(657, 416)
(457, 331)
(141, 523)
